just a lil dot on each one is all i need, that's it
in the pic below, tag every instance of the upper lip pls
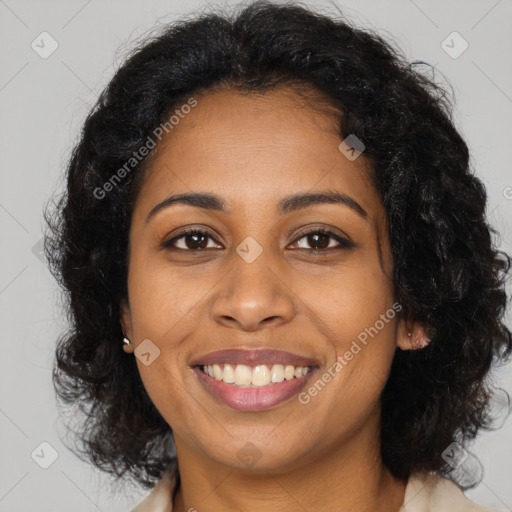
(253, 357)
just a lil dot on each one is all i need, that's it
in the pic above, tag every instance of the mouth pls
(253, 380)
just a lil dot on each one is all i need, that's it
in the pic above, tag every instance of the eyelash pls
(344, 244)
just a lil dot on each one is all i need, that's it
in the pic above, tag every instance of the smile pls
(253, 380)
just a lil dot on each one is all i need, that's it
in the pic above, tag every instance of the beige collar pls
(425, 492)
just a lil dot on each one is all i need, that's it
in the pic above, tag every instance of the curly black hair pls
(447, 272)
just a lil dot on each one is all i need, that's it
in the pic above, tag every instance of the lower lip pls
(253, 399)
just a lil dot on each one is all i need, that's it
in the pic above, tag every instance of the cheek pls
(358, 317)
(162, 312)
(169, 396)
(348, 302)
(164, 301)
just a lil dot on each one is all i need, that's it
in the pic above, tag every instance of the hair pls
(447, 274)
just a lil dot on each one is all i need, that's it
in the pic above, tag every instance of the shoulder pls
(435, 493)
(160, 497)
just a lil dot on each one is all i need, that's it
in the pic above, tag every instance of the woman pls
(274, 216)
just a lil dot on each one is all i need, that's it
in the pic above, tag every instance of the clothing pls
(425, 492)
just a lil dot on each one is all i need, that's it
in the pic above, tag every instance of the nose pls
(253, 296)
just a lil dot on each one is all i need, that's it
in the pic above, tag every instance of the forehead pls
(253, 149)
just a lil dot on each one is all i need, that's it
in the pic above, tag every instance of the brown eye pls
(192, 240)
(321, 240)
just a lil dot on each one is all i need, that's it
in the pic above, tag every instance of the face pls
(272, 281)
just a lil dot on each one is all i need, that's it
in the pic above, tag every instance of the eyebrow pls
(287, 205)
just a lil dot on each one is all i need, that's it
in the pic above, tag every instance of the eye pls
(190, 239)
(321, 241)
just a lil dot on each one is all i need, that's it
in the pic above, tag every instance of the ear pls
(125, 319)
(411, 335)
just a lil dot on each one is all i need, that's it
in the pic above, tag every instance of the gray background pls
(43, 103)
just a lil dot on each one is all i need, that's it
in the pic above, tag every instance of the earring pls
(127, 346)
(420, 339)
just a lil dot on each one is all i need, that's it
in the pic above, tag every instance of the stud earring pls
(127, 346)
(420, 339)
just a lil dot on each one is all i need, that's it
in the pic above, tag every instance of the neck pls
(344, 478)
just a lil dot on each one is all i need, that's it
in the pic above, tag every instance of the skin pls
(252, 151)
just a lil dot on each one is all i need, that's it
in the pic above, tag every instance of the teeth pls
(277, 373)
(229, 374)
(243, 375)
(217, 372)
(257, 376)
(261, 375)
(289, 372)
